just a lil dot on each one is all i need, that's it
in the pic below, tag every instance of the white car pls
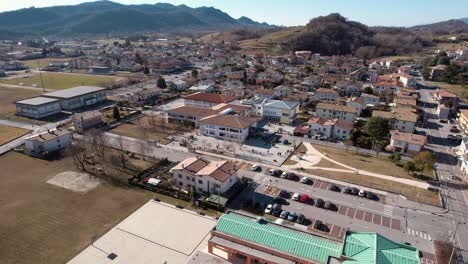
(268, 209)
(284, 175)
(296, 196)
(255, 167)
(362, 193)
(305, 180)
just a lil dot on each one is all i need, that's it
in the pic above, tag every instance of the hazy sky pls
(298, 12)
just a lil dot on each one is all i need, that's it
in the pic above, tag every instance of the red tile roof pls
(211, 98)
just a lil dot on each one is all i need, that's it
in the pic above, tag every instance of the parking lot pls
(347, 211)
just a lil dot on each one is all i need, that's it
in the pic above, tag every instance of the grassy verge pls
(365, 162)
(8, 133)
(410, 192)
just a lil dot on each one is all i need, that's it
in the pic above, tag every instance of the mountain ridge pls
(104, 17)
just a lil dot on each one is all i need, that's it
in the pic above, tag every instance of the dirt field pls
(8, 133)
(43, 223)
(151, 128)
(40, 63)
(8, 97)
(60, 80)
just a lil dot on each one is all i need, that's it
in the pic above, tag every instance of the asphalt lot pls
(356, 213)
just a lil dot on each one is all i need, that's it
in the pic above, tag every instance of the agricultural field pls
(460, 90)
(8, 97)
(8, 133)
(57, 81)
(45, 223)
(40, 63)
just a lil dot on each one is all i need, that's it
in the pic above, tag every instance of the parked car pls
(347, 190)
(287, 175)
(334, 188)
(354, 191)
(269, 209)
(301, 219)
(328, 205)
(318, 225)
(292, 216)
(303, 198)
(319, 203)
(361, 193)
(284, 214)
(283, 194)
(371, 196)
(296, 196)
(276, 210)
(273, 172)
(454, 129)
(306, 180)
(255, 167)
(443, 121)
(279, 200)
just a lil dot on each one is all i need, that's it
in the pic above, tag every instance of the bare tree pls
(122, 153)
(348, 143)
(78, 153)
(142, 132)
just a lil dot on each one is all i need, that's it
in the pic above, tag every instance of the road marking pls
(419, 234)
(388, 210)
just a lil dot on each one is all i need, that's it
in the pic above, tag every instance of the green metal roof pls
(370, 248)
(295, 243)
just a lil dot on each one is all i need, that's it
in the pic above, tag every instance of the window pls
(193, 179)
(180, 176)
(200, 181)
(217, 186)
(188, 178)
(180, 183)
(200, 189)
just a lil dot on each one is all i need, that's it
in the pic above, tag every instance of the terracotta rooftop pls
(397, 114)
(210, 97)
(408, 137)
(335, 107)
(193, 111)
(219, 170)
(192, 165)
(232, 121)
(326, 90)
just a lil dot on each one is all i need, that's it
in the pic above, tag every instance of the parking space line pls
(377, 219)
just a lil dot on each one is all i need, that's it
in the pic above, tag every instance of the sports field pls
(56, 80)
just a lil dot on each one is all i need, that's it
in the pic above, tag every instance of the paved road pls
(454, 195)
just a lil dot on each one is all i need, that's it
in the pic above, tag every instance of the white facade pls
(223, 132)
(339, 112)
(49, 141)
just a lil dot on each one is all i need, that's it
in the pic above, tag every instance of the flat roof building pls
(77, 97)
(38, 107)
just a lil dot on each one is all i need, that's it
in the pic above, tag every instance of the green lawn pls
(40, 63)
(60, 80)
(460, 90)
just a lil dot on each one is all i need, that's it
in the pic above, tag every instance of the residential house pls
(357, 103)
(401, 119)
(202, 176)
(437, 72)
(404, 103)
(446, 98)
(462, 118)
(370, 99)
(442, 112)
(86, 120)
(342, 129)
(324, 94)
(332, 111)
(47, 142)
(406, 142)
(191, 114)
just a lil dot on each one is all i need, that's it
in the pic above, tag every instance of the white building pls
(38, 107)
(399, 119)
(324, 94)
(203, 176)
(332, 111)
(406, 142)
(370, 99)
(47, 142)
(228, 127)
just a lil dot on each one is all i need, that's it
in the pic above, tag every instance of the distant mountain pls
(453, 26)
(106, 17)
(249, 22)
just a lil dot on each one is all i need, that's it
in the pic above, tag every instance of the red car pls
(304, 198)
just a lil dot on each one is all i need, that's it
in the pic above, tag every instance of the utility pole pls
(42, 80)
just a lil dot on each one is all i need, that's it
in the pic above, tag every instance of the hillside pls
(454, 26)
(106, 17)
(335, 35)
